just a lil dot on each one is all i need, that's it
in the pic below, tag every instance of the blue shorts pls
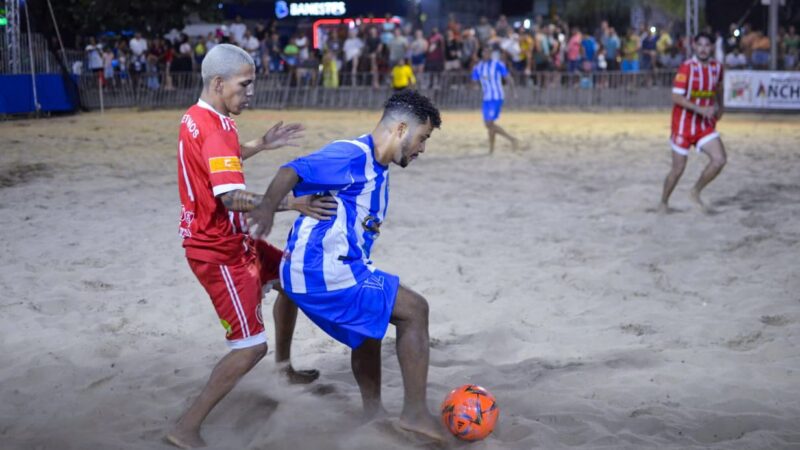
(630, 65)
(356, 313)
(491, 110)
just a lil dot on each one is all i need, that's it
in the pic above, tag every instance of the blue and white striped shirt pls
(490, 74)
(328, 255)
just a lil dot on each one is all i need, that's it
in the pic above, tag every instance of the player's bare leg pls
(227, 373)
(495, 129)
(366, 364)
(490, 128)
(284, 312)
(717, 159)
(678, 166)
(410, 317)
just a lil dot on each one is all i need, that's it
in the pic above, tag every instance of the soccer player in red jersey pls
(231, 266)
(697, 95)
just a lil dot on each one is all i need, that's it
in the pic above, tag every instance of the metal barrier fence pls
(43, 60)
(448, 90)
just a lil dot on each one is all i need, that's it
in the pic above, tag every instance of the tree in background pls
(91, 17)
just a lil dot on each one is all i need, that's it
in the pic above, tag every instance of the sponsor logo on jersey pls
(225, 164)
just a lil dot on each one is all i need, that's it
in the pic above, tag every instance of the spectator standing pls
(663, 45)
(454, 26)
(483, 31)
(469, 48)
(541, 51)
(574, 50)
(589, 52)
(760, 46)
(237, 30)
(94, 56)
(352, 48)
(630, 52)
(611, 44)
(434, 59)
(388, 27)
(199, 52)
(398, 47)
(138, 46)
(419, 49)
(374, 48)
(452, 51)
(108, 66)
(648, 51)
(252, 46)
(330, 73)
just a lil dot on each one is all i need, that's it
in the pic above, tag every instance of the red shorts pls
(682, 142)
(236, 291)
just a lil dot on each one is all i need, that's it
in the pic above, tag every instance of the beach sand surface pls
(596, 322)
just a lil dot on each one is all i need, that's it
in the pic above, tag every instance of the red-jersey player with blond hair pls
(697, 95)
(232, 267)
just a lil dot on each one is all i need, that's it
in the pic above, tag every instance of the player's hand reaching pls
(259, 222)
(281, 135)
(320, 207)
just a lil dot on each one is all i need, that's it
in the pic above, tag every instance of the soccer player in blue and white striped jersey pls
(490, 73)
(327, 270)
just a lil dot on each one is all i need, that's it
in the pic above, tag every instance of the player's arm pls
(278, 136)
(263, 215)
(719, 103)
(319, 208)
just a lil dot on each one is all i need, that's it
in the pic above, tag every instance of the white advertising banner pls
(757, 89)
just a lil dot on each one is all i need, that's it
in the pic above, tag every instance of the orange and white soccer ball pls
(470, 412)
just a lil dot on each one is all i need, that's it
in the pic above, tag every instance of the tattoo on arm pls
(241, 201)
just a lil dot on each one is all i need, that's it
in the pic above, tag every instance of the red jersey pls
(209, 165)
(699, 83)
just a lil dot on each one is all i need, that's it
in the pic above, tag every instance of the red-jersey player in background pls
(231, 266)
(697, 94)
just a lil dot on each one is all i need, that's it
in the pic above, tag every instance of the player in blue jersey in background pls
(326, 268)
(490, 73)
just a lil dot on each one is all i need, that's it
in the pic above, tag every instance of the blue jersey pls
(490, 74)
(329, 255)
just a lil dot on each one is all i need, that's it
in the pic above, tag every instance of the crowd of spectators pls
(363, 52)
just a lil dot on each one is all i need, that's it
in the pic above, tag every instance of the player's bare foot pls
(514, 144)
(374, 413)
(663, 208)
(695, 196)
(299, 376)
(425, 425)
(184, 438)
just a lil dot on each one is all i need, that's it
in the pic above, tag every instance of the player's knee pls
(719, 161)
(421, 307)
(257, 352)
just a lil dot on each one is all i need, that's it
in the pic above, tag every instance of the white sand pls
(596, 323)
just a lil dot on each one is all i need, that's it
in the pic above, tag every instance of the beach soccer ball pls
(470, 412)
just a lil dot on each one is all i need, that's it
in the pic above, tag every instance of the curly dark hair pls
(413, 103)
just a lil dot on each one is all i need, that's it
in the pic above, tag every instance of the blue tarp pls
(16, 94)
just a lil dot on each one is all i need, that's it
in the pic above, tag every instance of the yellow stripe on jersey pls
(703, 94)
(225, 164)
